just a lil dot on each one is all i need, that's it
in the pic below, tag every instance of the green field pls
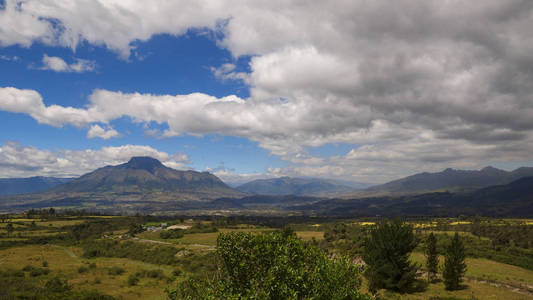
(50, 242)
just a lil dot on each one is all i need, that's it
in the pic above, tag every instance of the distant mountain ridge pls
(294, 186)
(17, 186)
(511, 199)
(448, 180)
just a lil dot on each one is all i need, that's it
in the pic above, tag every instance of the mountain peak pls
(144, 162)
(490, 169)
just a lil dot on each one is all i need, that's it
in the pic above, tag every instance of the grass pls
(65, 262)
(486, 269)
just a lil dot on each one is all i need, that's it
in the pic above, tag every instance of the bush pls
(116, 271)
(156, 254)
(171, 234)
(83, 269)
(45, 264)
(56, 285)
(39, 271)
(92, 266)
(273, 266)
(133, 280)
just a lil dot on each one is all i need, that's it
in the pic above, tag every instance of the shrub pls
(273, 266)
(45, 263)
(83, 269)
(116, 271)
(171, 234)
(133, 280)
(39, 271)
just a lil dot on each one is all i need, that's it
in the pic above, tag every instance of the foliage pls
(202, 228)
(115, 271)
(386, 252)
(138, 251)
(14, 285)
(133, 280)
(83, 269)
(432, 256)
(274, 265)
(171, 234)
(454, 264)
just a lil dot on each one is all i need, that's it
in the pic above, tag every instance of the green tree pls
(274, 265)
(10, 228)
(432, 256)
(386, 252)
(454, 264)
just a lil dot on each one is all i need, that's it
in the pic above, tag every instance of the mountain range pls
(512, 199)
(16, 186)
(294, 186)
(448, 180)
(144, 184)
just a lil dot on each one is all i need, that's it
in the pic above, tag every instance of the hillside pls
(16, 186)
(448, 180)
(512, 199)
(294, 186)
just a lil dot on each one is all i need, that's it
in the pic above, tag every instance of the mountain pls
(447, 180)
(15, 186)
(141, 183)
(514, 199)
(145, 175)
(294, 186)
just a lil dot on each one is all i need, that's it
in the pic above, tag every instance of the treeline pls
(155, 254)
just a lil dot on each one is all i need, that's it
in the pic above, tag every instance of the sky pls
(359, 91)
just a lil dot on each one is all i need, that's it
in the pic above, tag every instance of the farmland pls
(130, 258)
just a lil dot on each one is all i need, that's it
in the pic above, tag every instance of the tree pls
(454, 264)
(274, 265)
(432, 256)
(9, 228)
(386, 252)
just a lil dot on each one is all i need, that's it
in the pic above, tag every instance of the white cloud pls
(401, 79)
(57, 64)
(97, 131)
(23, 161)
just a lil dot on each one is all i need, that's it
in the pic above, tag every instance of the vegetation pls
(274, 265)
(386, 252)
(454, 264)
(432, 256)
(88, 253)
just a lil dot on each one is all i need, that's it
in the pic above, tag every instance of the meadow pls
(118, 257)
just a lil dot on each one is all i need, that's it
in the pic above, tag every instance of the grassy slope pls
(66, 261)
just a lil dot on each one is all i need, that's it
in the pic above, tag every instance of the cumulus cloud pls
(97, 131)
(57, 64)
(22, 161)
(446, 82)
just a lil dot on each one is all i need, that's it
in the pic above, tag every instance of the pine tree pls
(454, 264)
(432, 258)
(386, 254)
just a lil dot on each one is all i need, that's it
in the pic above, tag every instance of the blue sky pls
(162, 65)
(247, 90)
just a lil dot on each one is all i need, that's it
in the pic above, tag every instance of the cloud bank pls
(415, 84)
(23, 161)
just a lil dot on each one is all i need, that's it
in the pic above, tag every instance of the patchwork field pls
(43, 249)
